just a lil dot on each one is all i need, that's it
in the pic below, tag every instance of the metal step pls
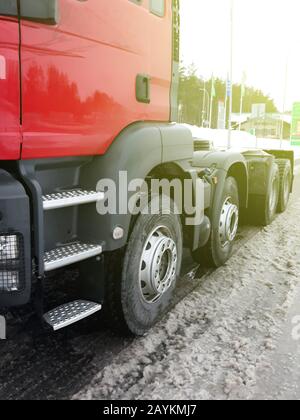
(70, 254)
(71, 312)
(70, 198)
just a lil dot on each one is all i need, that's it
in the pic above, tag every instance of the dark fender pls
(218, 159)
(137, 150)
(222, 165)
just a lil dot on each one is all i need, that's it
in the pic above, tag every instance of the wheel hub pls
(229, 222)
(158, 265)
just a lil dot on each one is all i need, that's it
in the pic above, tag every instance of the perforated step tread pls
(70, 254)
(70, 198)
(70, 313)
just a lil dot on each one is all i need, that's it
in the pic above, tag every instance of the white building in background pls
(264, 125)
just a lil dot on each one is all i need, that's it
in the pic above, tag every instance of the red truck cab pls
(78, 74)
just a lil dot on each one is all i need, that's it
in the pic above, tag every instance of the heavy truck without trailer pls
(88, 90)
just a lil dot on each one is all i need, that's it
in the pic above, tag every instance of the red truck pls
(88, 90)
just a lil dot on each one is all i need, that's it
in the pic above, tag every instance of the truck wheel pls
(285, 182)
(263, 208)
(224, 228)
(151, 265)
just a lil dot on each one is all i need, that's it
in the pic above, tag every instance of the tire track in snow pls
(217, 342)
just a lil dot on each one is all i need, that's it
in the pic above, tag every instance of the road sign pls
(228, 88)
(295, 130)
(221, 115)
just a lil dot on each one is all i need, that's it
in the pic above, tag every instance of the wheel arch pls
(170, 171)
(239, 172)
(224, 164)
(140, 150)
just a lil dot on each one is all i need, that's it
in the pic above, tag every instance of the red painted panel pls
(10, 136)
(78, 77)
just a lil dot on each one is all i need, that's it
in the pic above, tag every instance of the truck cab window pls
(139, 2)
(9, 8)
(157, 7)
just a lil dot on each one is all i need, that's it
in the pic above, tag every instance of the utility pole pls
(212, 95)
(284, 103)
(226, 99)
(225, 111)
(230, 73)
(242, 99)
(241, 113)
(204, 107)
(203, 102)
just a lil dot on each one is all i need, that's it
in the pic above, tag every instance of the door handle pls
(143, 88)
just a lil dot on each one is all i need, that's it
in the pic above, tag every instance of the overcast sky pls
(266, 36)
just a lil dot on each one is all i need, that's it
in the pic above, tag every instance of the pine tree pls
(192, 96)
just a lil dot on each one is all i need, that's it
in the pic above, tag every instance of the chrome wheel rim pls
(158, 266)
(229, 222)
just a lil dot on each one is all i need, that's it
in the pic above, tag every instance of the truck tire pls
(285, 183)
(143, 291)
(224, 229)
(262, 210)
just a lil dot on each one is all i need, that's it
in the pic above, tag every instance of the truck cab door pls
(10, 134)
(75, 74)
(80, 67)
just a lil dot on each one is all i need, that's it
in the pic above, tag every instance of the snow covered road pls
(229, 339)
